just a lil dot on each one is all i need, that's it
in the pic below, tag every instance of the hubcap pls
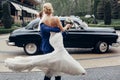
(31, 48)
(103, 47)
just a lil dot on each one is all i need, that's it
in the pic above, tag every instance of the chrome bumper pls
(10, 43)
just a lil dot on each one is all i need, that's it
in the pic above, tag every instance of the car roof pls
(73, 18)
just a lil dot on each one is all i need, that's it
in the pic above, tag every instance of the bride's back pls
(49, 20)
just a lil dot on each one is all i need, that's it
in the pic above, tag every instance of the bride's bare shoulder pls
(55, 17)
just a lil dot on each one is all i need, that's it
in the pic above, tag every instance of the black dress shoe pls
(47, 78)
(58, 78)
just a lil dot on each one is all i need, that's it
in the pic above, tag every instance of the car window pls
(35, 26)
(84, 24)
(63, 23)
(75, 26)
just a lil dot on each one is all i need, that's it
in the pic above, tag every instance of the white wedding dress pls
(55, 63)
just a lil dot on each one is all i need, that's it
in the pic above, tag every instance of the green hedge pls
(17, 24)
(4, 31)
(117, 27)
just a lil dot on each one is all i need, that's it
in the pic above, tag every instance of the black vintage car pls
(79, 36)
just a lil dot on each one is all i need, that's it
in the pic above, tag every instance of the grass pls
(115, 23)
(4, 31)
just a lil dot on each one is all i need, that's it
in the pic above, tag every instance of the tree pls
(0, 10)
(107, 13)
(70, 7)
(115, 9)
(6, 18)
(95, 5)
(100, 10)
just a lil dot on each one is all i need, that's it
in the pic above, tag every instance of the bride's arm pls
(58, 22)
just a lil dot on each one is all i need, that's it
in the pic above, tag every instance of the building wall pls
(16, 14)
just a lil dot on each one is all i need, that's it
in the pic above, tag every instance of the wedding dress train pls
(55, 63)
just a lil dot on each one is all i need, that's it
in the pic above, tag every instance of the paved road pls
(102, 73)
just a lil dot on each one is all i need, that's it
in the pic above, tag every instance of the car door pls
(76, 37)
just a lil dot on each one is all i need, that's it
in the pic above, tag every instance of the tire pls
(101, 47)
(31, 49)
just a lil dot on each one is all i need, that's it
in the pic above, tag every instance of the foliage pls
(115, 23)
(6, 18)
(115, 9)
(100, 10)
(95, 4)
(17, 24)
(83, 7)
(70, 7)
(116, 27)
(88, 20)
(107, 12)
(0, 11)
(4, 31)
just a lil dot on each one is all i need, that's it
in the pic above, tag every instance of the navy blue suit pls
(45, 35)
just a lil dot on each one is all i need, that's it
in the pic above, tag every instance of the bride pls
(54, 63)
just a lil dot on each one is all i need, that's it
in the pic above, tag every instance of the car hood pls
(19, 30)
(100, 29)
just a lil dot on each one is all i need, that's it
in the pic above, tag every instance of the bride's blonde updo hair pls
(48, 8)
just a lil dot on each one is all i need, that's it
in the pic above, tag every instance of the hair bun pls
(47, 8)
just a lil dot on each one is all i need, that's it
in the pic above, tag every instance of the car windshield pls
(33, 23)
(82, 23)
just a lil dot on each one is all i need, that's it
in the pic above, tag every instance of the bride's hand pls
(69, 26)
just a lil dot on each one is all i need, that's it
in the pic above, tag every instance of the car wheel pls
(101, 47)
(31, 48)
